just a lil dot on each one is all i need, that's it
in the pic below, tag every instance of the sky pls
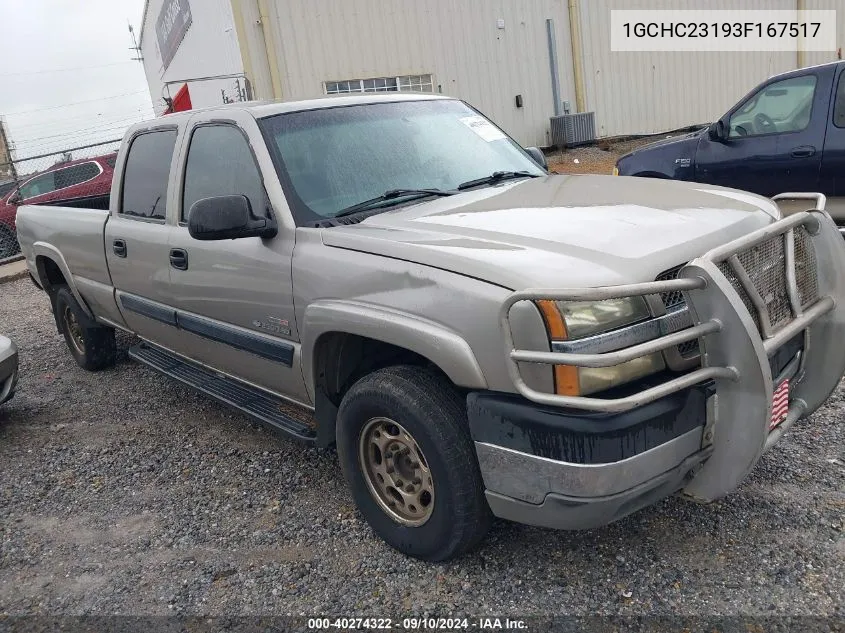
(67, 77)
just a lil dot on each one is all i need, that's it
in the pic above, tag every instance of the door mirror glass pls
(538, 156)
(226, 218)
(782, 106)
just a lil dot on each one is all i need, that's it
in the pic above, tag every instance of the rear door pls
(137, 233)
(234, 297)
(775, 141)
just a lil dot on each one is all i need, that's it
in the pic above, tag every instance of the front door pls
(136, 238)
(775, 139)
(833, 162)
(234, 298)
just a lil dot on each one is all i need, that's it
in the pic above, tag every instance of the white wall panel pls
(210, 47)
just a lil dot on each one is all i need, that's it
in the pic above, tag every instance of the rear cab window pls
(146, 175)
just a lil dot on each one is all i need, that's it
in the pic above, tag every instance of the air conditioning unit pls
(570, 130)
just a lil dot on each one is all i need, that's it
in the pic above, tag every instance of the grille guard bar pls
(706, 329)
(735, 346)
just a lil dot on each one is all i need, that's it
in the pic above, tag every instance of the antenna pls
(135, 47)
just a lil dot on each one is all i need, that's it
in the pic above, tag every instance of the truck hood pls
(561, 231)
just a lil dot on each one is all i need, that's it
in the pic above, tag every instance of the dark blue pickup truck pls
(788, 134)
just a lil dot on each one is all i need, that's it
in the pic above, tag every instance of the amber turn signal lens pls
(566, 376)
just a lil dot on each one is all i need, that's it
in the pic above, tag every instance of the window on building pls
(146, 175)
(406, 83)
(220, 163)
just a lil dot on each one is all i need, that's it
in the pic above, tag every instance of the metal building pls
(521, 62)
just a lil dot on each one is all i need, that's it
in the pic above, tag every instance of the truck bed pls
(77, 233)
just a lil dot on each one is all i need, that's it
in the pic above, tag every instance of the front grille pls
(676, 297)
(765, 266)
(689, 349)
(672, 301)
(728, 272)
(806, 267)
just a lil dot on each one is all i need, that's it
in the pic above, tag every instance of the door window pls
(220, 163)
(782, 106)
(839, 103)
(76, 174)
(38, 186)
(146, 175)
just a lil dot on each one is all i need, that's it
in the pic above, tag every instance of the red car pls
(83, 178)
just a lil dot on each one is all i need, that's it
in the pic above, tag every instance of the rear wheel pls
(91, 345)
(405, 450)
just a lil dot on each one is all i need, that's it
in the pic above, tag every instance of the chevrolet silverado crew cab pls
(787, 134)
(476, 336)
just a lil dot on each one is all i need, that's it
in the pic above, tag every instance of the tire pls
(91, 345)
(8, 242)
(432, 412)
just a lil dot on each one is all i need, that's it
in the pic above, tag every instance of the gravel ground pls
(596, 159)
(124, 493)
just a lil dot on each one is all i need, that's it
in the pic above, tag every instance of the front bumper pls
(743, 341)
(565, 469)
(8, 368)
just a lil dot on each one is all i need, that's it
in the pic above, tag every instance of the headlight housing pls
(573, 320)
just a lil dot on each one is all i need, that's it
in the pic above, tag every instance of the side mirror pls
(14, 199)
(227, 218)
(538, 156)
(718, 131)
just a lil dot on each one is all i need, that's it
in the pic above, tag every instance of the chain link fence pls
(78, 176)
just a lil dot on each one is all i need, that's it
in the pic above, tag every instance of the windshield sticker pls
(483, 128)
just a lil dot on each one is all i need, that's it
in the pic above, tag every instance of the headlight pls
(585, 318)
(567, 320)
(615, 171)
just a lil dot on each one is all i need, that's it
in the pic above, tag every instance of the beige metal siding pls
(813, 58)
(643, 93)
(458, 42)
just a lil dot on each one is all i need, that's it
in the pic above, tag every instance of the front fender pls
(674, 159)
(443, 347)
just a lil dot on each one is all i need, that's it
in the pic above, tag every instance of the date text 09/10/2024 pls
(418, 624)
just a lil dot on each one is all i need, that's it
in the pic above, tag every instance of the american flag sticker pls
(780, 404)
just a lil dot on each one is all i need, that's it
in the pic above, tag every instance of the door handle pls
(119, 247)
(179, 258)
(803, 152)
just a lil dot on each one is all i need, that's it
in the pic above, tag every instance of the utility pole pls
(139, 57)
(6, 163)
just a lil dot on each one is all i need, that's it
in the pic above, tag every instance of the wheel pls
(8, 242)
(405, 450)
(92, 345)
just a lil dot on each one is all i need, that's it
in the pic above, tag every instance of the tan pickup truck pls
(477, 337)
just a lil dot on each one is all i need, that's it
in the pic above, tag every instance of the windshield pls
(330, 159)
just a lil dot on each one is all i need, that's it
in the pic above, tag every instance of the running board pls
(257, 404)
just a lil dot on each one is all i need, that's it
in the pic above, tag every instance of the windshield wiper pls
(393, 194)
(496, 176)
